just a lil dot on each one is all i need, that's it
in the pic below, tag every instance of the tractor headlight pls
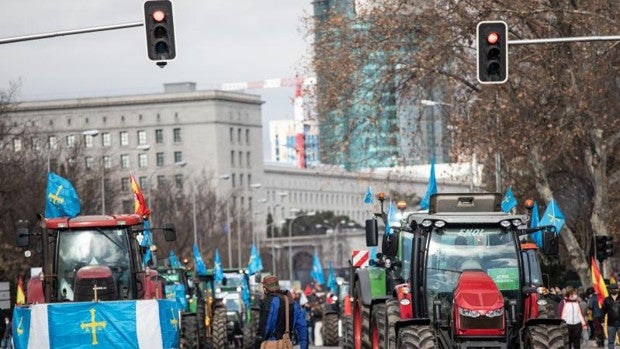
(505, 224)
(495, 313)
(469, 312)
(440, 224)
(427, 223)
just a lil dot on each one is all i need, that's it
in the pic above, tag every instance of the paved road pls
(590, 345)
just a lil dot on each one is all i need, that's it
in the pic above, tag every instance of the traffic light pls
(604, 247)
(159, 30)
(492, 37)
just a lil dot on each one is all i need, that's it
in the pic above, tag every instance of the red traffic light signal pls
(492, 54)
(159, 27)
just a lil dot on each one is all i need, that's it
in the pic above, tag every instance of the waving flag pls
(61, 199)
(139, 202)
(218, 272)
(201, 269)
(368, 196)
(331, 280)
(553, 216)
(21, 297)
(146, 257)
(598, 283)
(147, 237)
(256, 264)
(535, 220)
(174, 261)
(245, 293)
(509, 201)
(317, 270)
(431, 189)
(391, 217)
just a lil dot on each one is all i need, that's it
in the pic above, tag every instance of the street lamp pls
(290, 240)
(250, 203)
(91, 133)
(228, 232)
(273, 246)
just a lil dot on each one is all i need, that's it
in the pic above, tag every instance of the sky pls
(217, 41)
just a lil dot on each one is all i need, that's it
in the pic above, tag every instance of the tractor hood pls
(478, 305)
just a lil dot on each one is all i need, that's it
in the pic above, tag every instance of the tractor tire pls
(377, 337)
(347, 333)
(219, 337)
(189, 331)
(416, 337)
(365, 327)
(392, 309)
(546, 336)
(200, 318)
(330, 330)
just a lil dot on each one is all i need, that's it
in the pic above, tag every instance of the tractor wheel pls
(366, 344)
(330, 330)
(416, 337)
(347, 333)
(189, 331)
(219, 337)
(393, 314)
(377, 336)
(200, 318)
(361, 321)
(546, 336)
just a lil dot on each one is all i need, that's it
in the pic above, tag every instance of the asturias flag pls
(201, 269)
(218, 271)
(553, 216)
(174, 260)
(61, 199)
(331, 280)
(317, 270)
(535, 220)
(368, 196)
(431, 189)
(509, 201)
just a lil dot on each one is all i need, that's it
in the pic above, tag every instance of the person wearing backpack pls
(273, 325)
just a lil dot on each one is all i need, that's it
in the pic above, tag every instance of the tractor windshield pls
(452, 250)
(79, 248)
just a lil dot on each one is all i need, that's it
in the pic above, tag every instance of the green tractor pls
(212, 309)
(242, 308)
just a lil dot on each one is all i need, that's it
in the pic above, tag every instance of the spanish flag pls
(21, 297)
(598, 283)
(139, 202)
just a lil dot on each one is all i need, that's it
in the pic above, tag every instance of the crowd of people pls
(584, 316)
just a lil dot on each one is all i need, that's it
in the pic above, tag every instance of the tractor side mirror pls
(170, 233)
(22, 237)
(550, 245)
(372, 232)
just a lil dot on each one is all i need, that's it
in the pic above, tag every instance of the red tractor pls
(93, 258)
(471, 282)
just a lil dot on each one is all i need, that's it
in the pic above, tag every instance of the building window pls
(124, 161)
(178, 181)
(241, 180)
(160, 159)
(159, 136)
(124, 136)
(247, 136)
(52, 142)
(128, 205)
(17, 145)
(239, 135)
(70, 141)
(125, 185)
(141, 137)
(161, 181)
(143, 181)
(176, 135)
(231, 131)
(89, 162)
(240, 159)
(106, 139)
(178, 156)
(107, 162)
(247, 159)
(36, 144)
(233, 180)
(88, 141)
(232, 158)
(142, 160)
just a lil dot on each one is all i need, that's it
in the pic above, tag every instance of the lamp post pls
(290, 240)
(228, 232)
(251, 206)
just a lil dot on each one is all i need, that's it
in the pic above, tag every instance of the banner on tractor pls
(128, 324)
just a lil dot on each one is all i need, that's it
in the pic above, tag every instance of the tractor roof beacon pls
(472, 281)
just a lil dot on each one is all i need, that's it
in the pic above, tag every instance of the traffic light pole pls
(70, 32)
(561, 40)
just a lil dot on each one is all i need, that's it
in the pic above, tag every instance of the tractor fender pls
(364, 284)
(372, 284)
(539, 321)
(404, 323)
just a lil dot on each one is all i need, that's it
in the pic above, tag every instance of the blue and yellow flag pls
(368, 196)
(509, 201)
(201, 269)
(256, 263)
(331, 280)
(553, 216)
(430, 189)
(391, 217)
(174, 260)
(317, 270)
(534, 221)
(61, 199)
(218, 271)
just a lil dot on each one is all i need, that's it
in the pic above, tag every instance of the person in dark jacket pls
(272, 323)
(611, 308)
